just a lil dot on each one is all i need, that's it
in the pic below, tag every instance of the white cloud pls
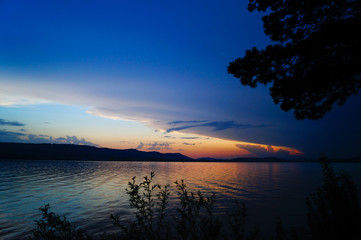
(14, 100)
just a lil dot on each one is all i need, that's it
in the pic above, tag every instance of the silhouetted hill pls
(80, 152)
(46, 151)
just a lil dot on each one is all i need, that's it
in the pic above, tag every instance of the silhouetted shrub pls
(334, 208)
(193, 217)
(150, 202)
(289, 234)
(237, 223)
(52, 226)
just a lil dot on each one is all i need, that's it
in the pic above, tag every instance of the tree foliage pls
(315, 59)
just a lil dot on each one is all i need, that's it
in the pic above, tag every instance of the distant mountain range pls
(29, 151)
(46, 151)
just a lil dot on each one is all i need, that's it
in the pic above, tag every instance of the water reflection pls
(88, 192)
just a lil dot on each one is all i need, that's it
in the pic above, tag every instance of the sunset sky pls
(150, 75)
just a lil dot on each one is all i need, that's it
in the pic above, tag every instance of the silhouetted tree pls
(315, 61)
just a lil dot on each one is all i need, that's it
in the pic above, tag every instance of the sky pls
(152, 76)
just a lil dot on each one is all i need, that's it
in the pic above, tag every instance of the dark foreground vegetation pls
(333, 213)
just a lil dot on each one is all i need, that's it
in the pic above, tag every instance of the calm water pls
(88, 192)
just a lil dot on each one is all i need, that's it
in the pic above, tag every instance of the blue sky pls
(150, 75)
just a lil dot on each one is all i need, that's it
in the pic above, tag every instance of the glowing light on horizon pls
(197, 146)
(75, 122)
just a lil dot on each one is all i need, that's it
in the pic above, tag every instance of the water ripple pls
(88, 192)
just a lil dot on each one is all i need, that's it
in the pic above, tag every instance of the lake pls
(88, 192)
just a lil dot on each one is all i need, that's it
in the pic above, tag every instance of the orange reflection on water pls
(227, 180)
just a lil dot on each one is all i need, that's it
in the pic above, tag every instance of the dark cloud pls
(46, 122)
(74, 140)
(155, 146)
(22, 130)
(186, 122)
(140, 146)
(260, 151)
(218, 126)
(159, 146)
(42, 135)
(189, 137)
(33, 138)
(6, 136)
(169, 137)
(189, 144)
(16, 124)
